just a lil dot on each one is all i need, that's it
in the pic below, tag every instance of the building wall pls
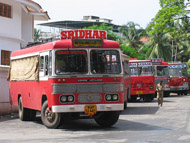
(27, 28)
(11, 27)
(10, 40)
(5, 106)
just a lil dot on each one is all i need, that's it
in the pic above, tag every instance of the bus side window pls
(41, 65)
(46, 65)
(50, 63)
(125, 67)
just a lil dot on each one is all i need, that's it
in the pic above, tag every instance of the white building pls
(16, 31)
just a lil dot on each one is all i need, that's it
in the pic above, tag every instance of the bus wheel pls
(166, 94)
(107, 119)
(49, 119)
(23, 112)
(125, 104)
(185, 92)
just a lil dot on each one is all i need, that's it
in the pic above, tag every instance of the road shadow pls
(140, 110)
(8, 117)
(121, 125)
(176, 96)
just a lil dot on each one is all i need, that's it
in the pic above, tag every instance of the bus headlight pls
(70, 98)
(66, 98)
(108, 97)
(112, 97)
(185, 83)
(63, 98)
(115, 97)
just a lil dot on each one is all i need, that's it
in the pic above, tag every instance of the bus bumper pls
(179, 88)
(80, 108)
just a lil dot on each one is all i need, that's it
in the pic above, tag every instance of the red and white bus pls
(68, 78)
(179, 82)
(142, 80)
(161, 73)
(126, 78)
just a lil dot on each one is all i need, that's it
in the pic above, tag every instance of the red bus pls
(142, 80)
(179, 81)
(69, 78)
(161, 72)
(127, 79)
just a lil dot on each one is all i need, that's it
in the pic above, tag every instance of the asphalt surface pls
(140, 123)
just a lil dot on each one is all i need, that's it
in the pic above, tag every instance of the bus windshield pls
(105, 62)
(71, 62)
(177, 71)
(141, 69)
(162, 71)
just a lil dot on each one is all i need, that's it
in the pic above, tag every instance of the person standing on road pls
(160, 93)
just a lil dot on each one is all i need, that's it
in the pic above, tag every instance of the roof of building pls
(144, 39)
(34, 9)
(85, 22)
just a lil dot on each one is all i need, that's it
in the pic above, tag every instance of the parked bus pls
(142, 80)
(161, 73)
(80, 74)
(127, 79)
(179, 82)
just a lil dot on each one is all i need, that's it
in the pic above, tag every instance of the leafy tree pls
(188, 65)
(109, 29)
(167, 23)
(132, 52)
(159, 47)
(36, 34)
(132, 33)
(171, 10)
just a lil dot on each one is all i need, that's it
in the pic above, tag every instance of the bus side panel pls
(127, 83)
(142, 85)
(31, 92)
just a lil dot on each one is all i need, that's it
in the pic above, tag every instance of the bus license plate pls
(90, 110)
(176, 87)
(139, 92)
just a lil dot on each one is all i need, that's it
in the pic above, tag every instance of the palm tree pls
(131, 33)
(36, 34)
(160, 46)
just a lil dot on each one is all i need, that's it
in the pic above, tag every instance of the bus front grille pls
(88, 88)
(86, 98)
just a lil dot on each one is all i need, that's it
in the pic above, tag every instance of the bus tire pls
(185, 92)
(107, 119)
(166, 94)
(22, 112)
(49, 119)
(125, 105)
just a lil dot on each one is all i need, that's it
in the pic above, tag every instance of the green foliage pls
(131, 34)
(104, 26)
(159, 47)
(188, 64)
(36, 34)
(171, 10)
(133, 53)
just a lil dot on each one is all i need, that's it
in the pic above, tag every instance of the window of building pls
(5, 57)
(5, 10)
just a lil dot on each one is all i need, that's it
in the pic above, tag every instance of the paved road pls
(140, 123)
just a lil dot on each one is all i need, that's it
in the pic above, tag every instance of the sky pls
(120, 11)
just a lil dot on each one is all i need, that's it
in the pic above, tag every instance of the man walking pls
(160, 93)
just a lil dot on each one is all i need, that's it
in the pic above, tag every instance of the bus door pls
(45, 65)
(127, 83)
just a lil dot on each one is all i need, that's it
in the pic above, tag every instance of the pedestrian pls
(160, 92)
